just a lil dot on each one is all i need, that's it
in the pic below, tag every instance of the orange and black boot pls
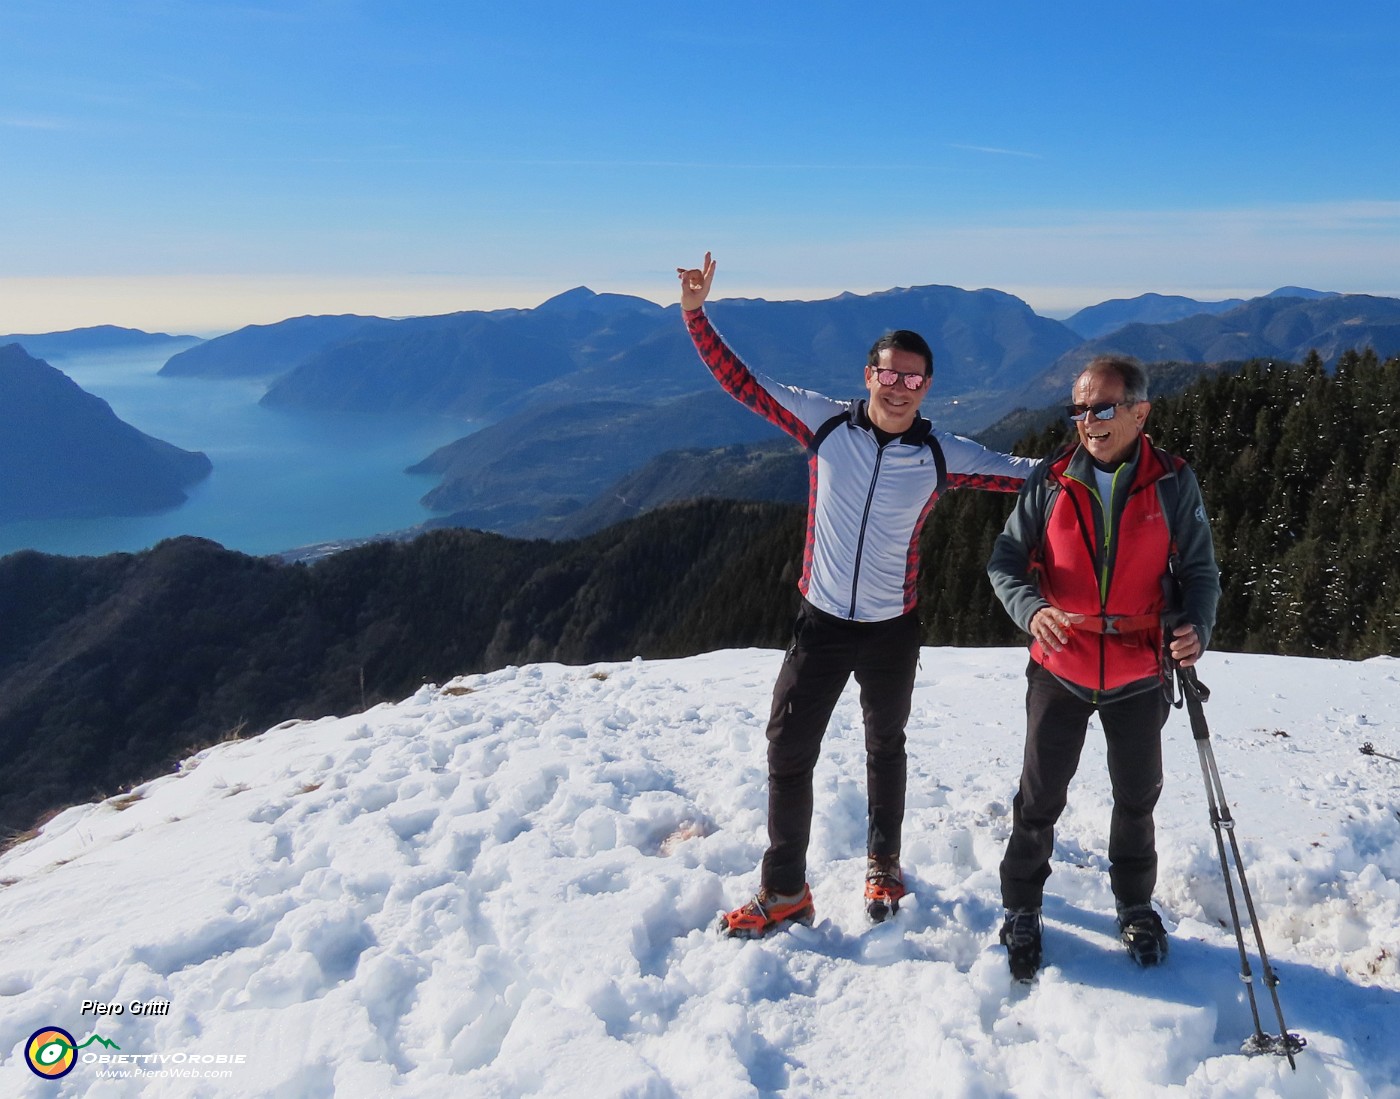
(766, 911)
(884, 885)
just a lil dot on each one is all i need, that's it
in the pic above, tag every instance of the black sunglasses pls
(1102, 410)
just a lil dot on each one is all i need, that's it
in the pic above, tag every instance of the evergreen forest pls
(1300, 468)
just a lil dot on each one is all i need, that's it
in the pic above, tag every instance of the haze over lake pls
(281, 479)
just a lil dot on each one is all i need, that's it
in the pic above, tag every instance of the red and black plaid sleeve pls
(988, 482)
(738, 381)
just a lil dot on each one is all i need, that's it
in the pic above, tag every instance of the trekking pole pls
(1195, 693)
(1369, 749)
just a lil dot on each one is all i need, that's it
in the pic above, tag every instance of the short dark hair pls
(1128, 370)
(901, 339)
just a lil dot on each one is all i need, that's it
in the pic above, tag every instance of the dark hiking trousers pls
(825, 652)
(1056, 723)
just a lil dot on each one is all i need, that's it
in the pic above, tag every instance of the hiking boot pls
(1142, 933)
(884, 885)
(766, 911)
(1020, 934)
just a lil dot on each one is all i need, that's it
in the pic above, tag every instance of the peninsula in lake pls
(65, 454)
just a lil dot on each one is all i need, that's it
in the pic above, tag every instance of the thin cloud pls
(1328, 218)
(34, 122)
(994, 151)
(360, 157)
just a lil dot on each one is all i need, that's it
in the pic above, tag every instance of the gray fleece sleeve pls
(1198, 574)
(1009, 566)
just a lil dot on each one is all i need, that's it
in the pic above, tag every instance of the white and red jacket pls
(867, 502)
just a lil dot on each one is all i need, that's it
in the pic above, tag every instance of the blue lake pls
(281, 479)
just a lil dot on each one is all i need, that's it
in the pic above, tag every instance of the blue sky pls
(195, 165)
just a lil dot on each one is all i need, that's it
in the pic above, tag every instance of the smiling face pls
(893, 407)
(1108, 441)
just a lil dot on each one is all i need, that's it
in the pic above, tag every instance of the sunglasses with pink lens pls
(889, 377)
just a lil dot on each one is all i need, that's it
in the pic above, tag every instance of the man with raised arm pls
(877, 467)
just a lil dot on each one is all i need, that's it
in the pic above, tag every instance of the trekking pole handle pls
(1195, 693)
(1193, 684)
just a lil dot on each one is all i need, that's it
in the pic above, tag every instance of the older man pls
(1108, 548)
(877, 467)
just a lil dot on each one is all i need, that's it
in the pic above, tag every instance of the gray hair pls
(1128, 370)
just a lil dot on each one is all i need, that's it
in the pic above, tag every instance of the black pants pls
(1056, 723)
(824, 653)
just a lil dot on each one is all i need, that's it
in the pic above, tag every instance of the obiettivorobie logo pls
(52, 1052)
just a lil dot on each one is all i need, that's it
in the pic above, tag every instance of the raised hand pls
(695, 283)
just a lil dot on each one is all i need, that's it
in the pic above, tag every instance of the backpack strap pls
(939, 459)
(1053, 490)
(1169, 489)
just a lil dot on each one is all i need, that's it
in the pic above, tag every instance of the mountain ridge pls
(1282, 328)
(585, 342)
(95, 338)
(65, 454)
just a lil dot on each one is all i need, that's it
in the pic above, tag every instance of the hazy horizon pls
(329, 304)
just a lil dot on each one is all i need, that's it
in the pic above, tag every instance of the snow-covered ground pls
(506, 886)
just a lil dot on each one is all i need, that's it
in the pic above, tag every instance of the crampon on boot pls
(766, 912)
(1142, 933)
(884, 886)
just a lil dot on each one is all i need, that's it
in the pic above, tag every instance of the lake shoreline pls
(283, 481)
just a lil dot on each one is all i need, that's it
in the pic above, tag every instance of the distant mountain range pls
(64, 453)
(992, 351)
(1109, 316)
(1283, 328)
(266, 350)
(511, 479)
(588, 388)
(101, 338)
(487, 365)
